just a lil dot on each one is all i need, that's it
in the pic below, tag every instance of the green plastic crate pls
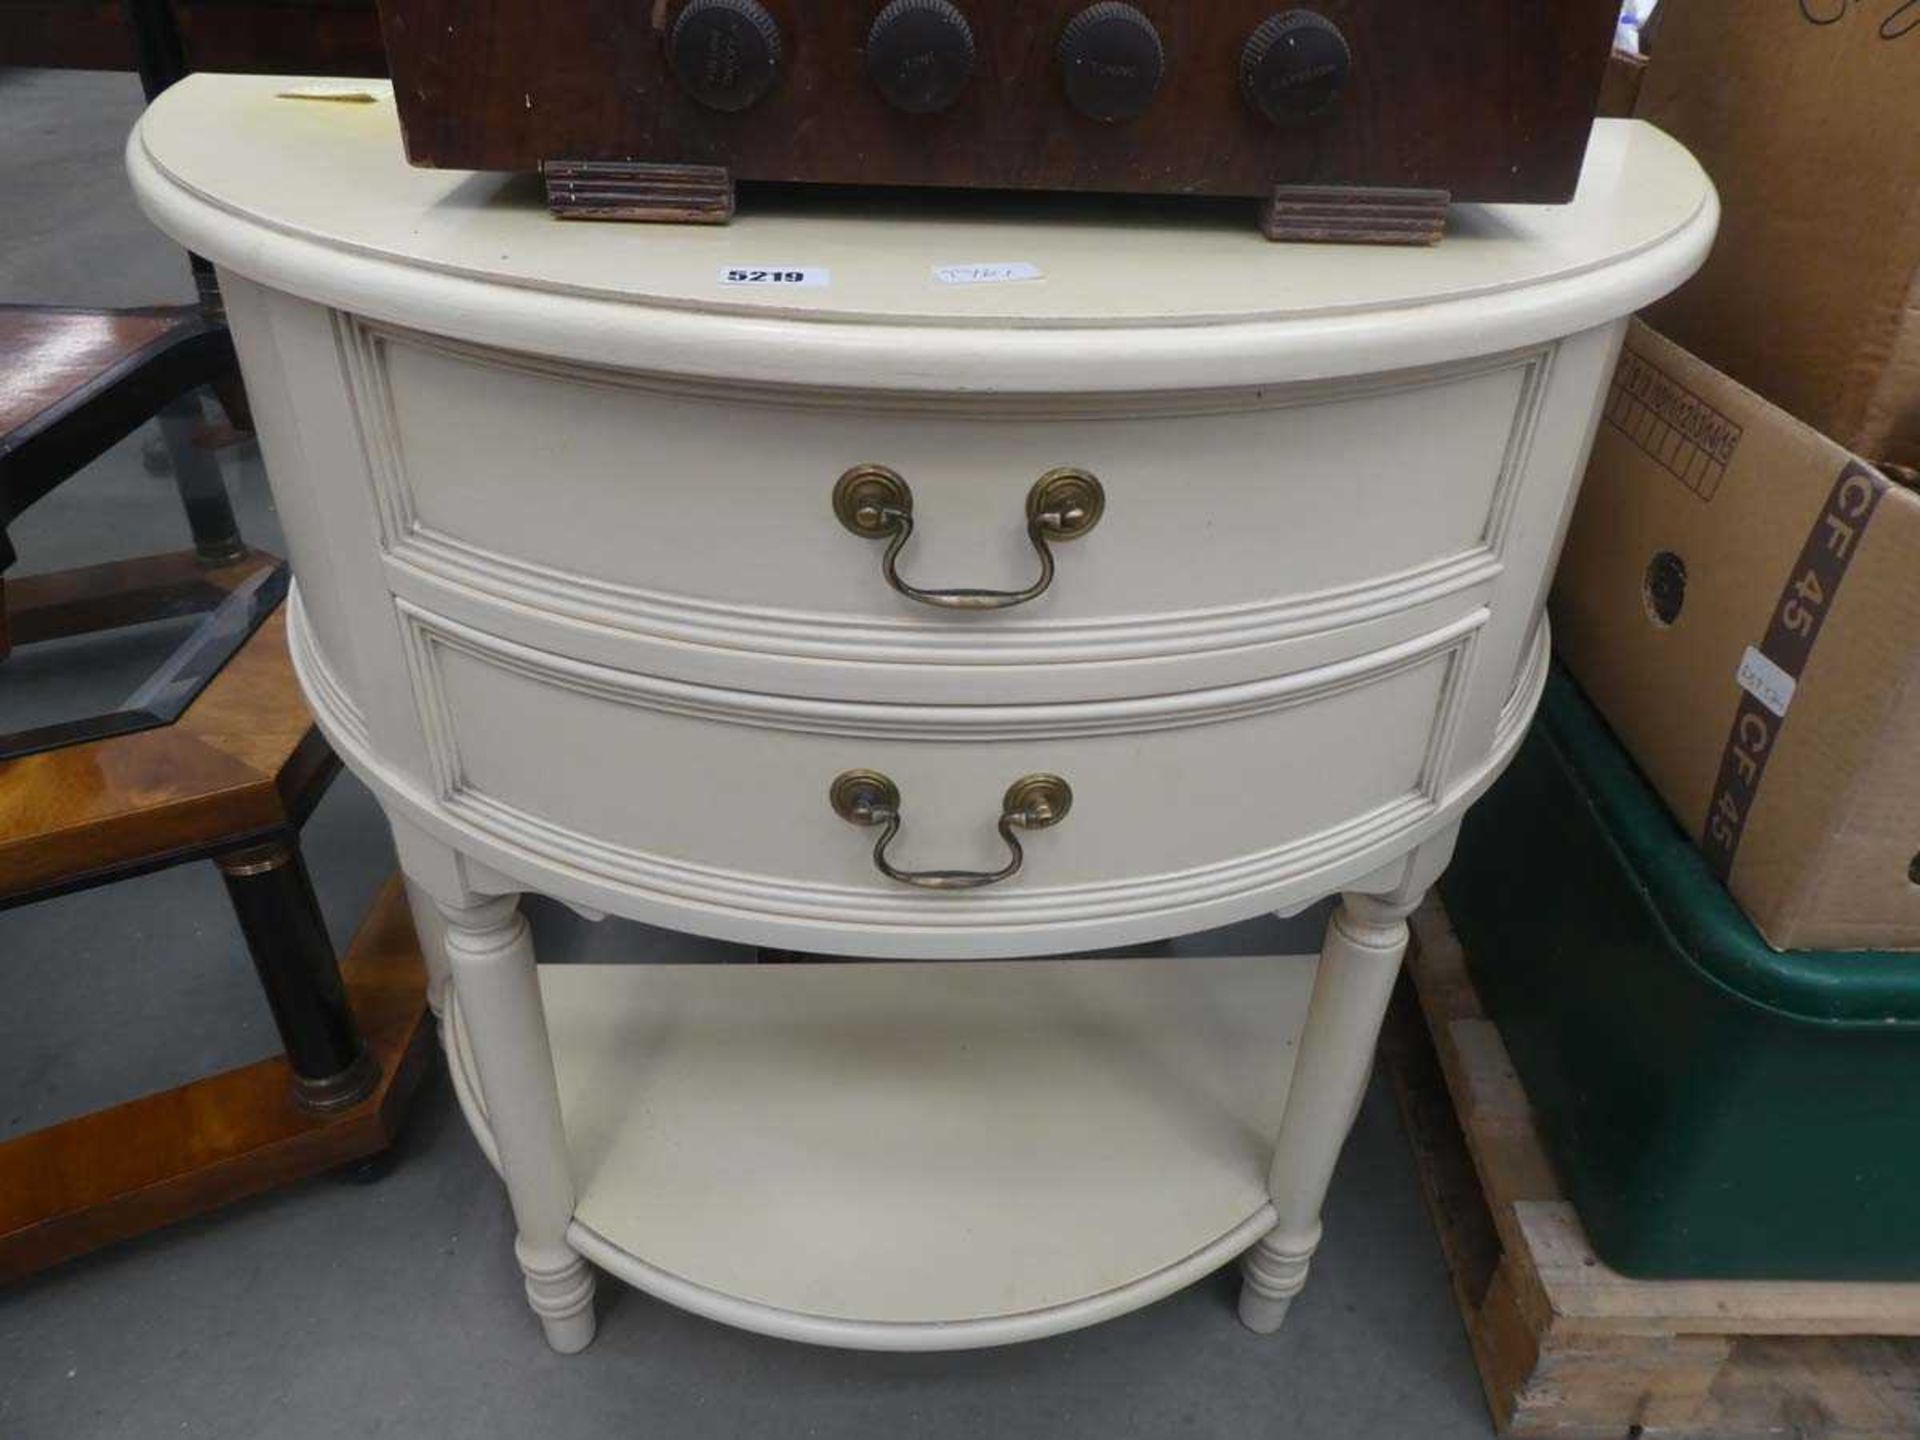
(1714, 1107)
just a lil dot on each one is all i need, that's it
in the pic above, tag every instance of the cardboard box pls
(1806, 113)
(1741, 599)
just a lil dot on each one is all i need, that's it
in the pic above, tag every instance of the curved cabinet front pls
(579, 601)
(691, 530)
(710, 808)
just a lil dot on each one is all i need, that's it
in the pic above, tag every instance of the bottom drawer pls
(720, 798)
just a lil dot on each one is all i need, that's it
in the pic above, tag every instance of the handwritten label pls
(786, 277)
(1901, 19)
(1766, 681)
(997, 272)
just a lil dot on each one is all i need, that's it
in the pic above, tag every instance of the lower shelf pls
(98, 1178)
(926, 1156)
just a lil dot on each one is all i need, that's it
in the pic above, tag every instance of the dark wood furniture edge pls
(86, 599)
(255, 808)
(270, 37)
(306, 776)
(1342, 215)
(149, 863)
(174, 686)
(647, 193)
(1620, 89)
(153, 1175)
(70, 431)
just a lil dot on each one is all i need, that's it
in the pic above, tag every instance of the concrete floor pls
(335, 1309)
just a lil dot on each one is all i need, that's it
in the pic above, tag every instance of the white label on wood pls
(1766, 682)
(789, 277)
(997, 272)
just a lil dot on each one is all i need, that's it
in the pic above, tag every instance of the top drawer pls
(661, 524)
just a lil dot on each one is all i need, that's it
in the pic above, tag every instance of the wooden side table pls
(767, 584)
(72, 382)
(230, 781)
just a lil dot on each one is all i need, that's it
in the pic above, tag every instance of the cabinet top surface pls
(315, 197)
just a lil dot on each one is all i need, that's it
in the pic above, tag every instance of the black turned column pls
(280, 919)
(203, 490)
(6, 630)
(158, 49)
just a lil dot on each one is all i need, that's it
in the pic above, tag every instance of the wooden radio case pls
(1486, 100)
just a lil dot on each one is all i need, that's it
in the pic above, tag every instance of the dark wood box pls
(1488, 99)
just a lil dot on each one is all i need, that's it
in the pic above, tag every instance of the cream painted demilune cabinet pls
(815, 584)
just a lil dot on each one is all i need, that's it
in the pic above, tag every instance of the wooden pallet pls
(1567, 1347)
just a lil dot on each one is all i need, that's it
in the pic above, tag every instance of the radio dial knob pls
(1295, 65)
(920, 54)
(1111, 62)
(725, 53)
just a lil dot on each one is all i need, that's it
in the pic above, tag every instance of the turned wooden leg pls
(1359, 961)
(431, 929)
(7, 557)
(287, 938)
(203, 490)
(497, 987)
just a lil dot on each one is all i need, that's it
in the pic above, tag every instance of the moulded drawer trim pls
(415, 548)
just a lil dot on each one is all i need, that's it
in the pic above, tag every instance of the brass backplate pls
(1043, 800)
(1073, 495)
(865, 494)
(862, 797)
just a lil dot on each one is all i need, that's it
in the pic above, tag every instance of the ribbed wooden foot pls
(560, 1290)
(1271, 1274)
(1355, 215)
(637, 191)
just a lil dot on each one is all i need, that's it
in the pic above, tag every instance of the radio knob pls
(1295, 65)
(725, 53)
(920, 54)
(1111, 62)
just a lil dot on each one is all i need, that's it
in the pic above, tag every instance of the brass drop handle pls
(1034, 802)
(875, 503)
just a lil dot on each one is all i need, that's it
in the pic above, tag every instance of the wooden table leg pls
(431, 927)
(287, 938)
(497, 988)
(1359, 962)
(203, 490)
(99, 1178)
